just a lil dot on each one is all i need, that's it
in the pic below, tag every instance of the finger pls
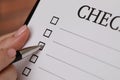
(9, 73)
(15, 40)
(6, 36)
(6, 57)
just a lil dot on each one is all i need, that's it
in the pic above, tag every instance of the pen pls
(20, 54)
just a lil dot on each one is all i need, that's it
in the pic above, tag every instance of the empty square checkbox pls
(41, 44)
(47, 33)
(54, 20)
(33, 58)
(26, 71)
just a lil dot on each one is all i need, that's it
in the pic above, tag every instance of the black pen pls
(20, 54)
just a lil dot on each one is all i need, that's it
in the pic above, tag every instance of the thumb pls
(6, 57)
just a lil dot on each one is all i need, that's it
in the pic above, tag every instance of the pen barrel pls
(18, 56)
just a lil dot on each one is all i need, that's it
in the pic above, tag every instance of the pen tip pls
(41, 47)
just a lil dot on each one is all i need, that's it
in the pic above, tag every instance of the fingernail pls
(20, 31)
(11, 53)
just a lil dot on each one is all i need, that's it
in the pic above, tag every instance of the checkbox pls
(26, 71)
(41, 44)
(54, 20)
(47, 33)
(33, 58)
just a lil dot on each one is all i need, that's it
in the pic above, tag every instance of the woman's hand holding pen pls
(8, 45)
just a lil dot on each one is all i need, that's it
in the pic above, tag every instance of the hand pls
(8, 45)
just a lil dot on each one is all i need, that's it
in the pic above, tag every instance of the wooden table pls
(13, 14)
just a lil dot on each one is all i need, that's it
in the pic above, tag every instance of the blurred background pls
(13, 14)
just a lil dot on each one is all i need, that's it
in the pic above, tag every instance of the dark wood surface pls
(13, 14)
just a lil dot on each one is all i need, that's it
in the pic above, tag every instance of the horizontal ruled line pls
(75, 67)
(94, 58)
(101, 44)
(51, 73)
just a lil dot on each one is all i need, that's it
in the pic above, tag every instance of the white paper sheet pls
(85, 48)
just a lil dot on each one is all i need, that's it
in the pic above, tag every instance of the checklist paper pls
(80, 38)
